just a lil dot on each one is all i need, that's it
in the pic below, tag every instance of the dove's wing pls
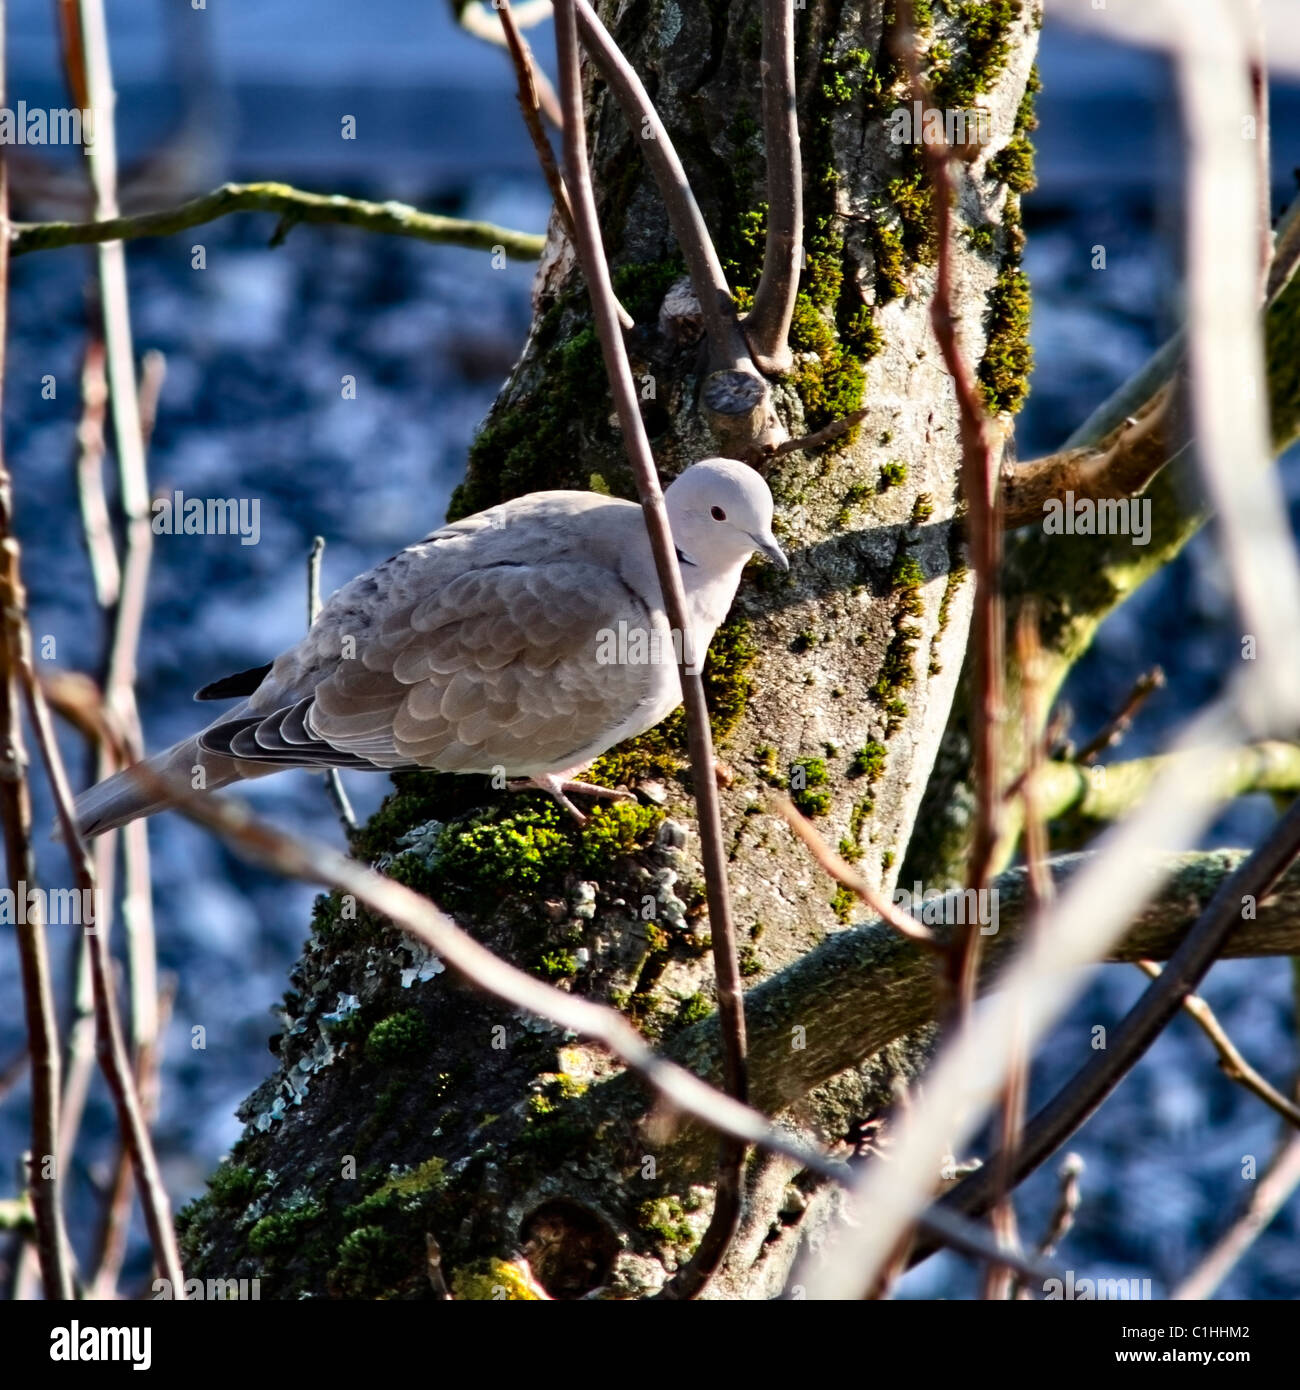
(500, 667)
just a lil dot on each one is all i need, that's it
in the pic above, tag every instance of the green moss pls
(493, 1280)
(843, 902)
(912, 200)
(922, 508)
(986, 46)
(692, 1010)
(662, 750)
(281, 1232)
(1014, 164)
(516, 852)
(981, 238)
(891, 262)
(665, 1217)
(641, 288)
(370, 1262)
(808, 782)
(1008, 357)
(398, 1037)
(616, 830)
(869, 761)
(831, 386)
(558, 965)
(233, 1186)
(531, 444)
(750, 964)
(892, 474)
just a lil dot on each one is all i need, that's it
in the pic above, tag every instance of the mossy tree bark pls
(407, 1107)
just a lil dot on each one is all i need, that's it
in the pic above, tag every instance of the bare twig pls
(1111, 733)
(95, 523)
(807, 442)
(90, 75)
(44, 1175)
(1266, 1200)
(980, 448)
(1162, 999)
(726, 1213)
(111, 1043)
(528, 77)
(998, 1284)
(767, 325)
(116, 1224)
(844, 873)
(294, 206)
(727, 345)
(333, 777)
(1231, 1062)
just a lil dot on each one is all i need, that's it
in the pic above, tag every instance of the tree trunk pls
(406, 1106)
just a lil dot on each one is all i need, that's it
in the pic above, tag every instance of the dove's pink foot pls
(556, 784)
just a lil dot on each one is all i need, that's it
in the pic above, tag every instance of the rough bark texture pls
(407, 1106)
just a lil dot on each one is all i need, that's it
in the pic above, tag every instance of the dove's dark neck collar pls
(683, 558)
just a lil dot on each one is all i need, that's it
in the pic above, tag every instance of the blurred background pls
(256, 345)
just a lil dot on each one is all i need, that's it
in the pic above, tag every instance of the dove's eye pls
(717, 514)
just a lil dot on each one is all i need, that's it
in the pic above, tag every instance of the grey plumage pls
(479, 647)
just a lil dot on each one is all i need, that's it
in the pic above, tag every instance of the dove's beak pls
(766, 544)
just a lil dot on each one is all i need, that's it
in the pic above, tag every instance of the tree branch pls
(767, 325)
(726, 343)
(1108, 791)
(726, 1212)
(293, 205)
(1217, 927)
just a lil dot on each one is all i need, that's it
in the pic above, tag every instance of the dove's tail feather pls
(127, 795)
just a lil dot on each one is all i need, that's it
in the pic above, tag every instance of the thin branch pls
(808, 442)
(727, 347)
(847, 876)
(767, 325)
(1128, 1042)
(1101, 792)
(293, 205)
(90, 74)
(527, 76)
(530, 105)
(44, 1177)
(95, 523)
(1039, 879)
(333, 777)
(1231, 1062)
(1266, 1199)
(1119, 467)
(1114, 730)
(116, 1225)
(980, 447)
(726, 1213)
(111, 1042)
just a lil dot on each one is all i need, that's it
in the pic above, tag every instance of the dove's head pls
(722, 510)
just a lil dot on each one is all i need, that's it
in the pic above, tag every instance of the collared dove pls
(524, 640)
